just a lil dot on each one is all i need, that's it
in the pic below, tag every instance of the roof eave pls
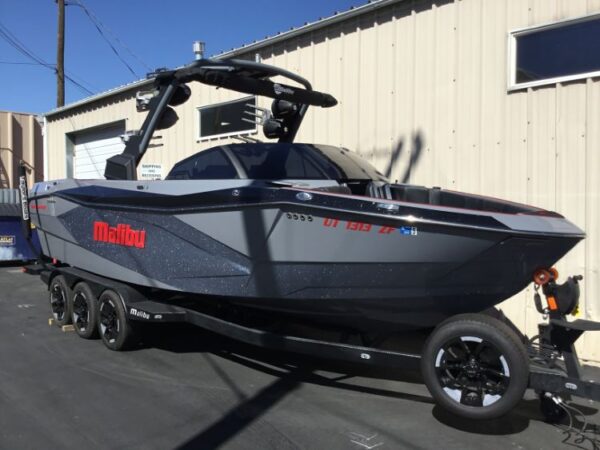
(244, 50)
(328, 21)
(97, 97)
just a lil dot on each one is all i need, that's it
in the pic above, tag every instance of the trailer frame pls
(558, 378)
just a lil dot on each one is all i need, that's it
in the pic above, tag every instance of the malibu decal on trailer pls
(122, 234)
(7, 241)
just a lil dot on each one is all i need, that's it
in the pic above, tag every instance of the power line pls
(20, 63)
(79, 85)
(4, 33)
(114, 36)
(19, 46)
(71, 77)
(13, 41)
(97, 24)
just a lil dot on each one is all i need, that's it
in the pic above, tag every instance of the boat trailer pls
(554, 371)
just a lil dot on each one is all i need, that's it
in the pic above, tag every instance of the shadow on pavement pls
(515, 422)
(292, 370)
(242, 415)
(183, 338)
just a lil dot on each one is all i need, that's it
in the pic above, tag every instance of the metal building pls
(498, 97)
(20, 140)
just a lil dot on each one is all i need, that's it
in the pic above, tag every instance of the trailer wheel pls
(85, 311)
(115, 329)
(475, 366)
(61, 297)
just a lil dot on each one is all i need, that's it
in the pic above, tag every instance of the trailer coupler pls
(555, 365)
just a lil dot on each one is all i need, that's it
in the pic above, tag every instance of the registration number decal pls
(350, 225)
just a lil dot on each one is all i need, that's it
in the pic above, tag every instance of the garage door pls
(93, 148)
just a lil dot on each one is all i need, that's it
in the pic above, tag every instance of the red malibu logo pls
(122, 234)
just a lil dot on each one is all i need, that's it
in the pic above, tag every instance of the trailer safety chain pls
(582, 433)
(537, 299)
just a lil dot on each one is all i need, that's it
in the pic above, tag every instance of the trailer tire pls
(84, 311)
(61, 298)
(115, 329)
(475, 366)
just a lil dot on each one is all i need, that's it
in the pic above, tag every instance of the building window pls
(227, 119)
(552, 53)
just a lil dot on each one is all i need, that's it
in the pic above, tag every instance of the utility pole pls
(60, 55)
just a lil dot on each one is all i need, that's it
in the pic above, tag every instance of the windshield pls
(302, 161)
(277, 161)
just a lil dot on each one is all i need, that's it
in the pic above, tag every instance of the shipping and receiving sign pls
(150, 171)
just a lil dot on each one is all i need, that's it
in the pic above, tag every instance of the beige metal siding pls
(20, 139)
(175, 144)
(422, 91)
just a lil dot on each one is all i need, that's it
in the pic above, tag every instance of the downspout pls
(45, 149)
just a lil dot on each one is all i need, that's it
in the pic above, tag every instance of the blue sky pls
(160, 33)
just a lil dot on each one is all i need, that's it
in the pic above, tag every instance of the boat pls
(306, 230)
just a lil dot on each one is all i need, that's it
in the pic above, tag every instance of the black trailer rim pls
(81, 313)
(58, 301)
(110, 325)
(472, 371)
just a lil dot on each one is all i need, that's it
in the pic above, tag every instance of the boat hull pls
(312, 259)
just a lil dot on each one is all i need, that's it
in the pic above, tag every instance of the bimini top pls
(277, 161)
(282, 122)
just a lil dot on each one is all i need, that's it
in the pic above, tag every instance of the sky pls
(146, 33)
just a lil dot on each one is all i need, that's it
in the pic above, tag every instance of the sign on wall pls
(151, 172)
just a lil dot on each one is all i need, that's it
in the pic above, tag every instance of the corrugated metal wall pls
(422, 91)
(20, 139)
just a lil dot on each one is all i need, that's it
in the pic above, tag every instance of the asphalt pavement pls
(187, 388)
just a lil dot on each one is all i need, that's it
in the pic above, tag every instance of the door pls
(93, 148)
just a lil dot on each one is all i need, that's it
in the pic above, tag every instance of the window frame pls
(247, 132)
(512, 84)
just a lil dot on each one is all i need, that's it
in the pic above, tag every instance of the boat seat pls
(416, 194)
(410, 193)
(379, 189)
(405, 193)
(435, 195)
(338, 189)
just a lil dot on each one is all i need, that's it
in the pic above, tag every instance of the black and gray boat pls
(312, 230)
